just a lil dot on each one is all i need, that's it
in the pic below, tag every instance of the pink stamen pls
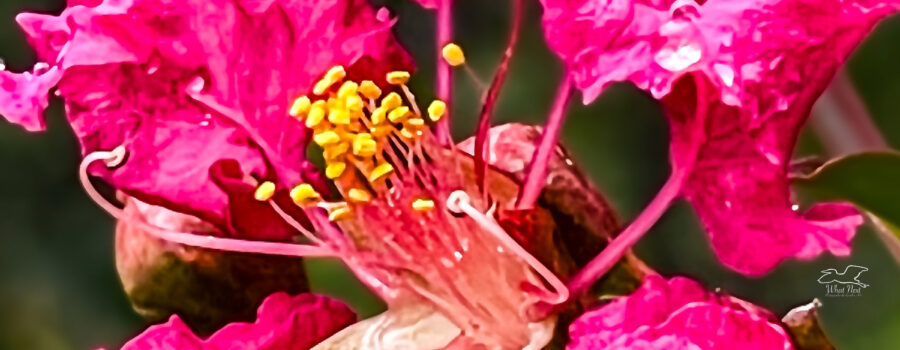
(534, 180)
(458, 201)
(444, 71)
(482, 142)
(115, 157)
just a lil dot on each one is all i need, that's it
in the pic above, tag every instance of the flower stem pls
(534, 180)
(482, 142)
(620, 245)
(444, 33)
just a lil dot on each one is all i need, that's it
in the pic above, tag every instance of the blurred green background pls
(58, 284)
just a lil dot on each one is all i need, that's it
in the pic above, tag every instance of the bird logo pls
(849, 276)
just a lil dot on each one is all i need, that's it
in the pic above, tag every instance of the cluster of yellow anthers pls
(353, 123)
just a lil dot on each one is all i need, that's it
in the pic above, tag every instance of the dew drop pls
(2, 65)
(681, 49)
(458, 255)
(41, 68)
(795, 207)
(197, 85)
(725, 73)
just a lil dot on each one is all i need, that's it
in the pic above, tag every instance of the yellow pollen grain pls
(391, 101)
(453, 54)
(422, 204)
(364, 145)
(354, 103)
(409, 134)
(339, 213)
(316, 114)
(379, 115)
(398, 77)
(336, 73)
(368, 89)
(398, 114)
(382, 170)
(415, 123)
(304, 194)
(339, 116)
(300, 107)
(348, 89)
(335, 169)
(359, 195)
(265, 191)
(326, 138)
(334, 151)
(436, 110)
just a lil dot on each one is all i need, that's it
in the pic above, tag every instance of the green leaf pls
(870, 180)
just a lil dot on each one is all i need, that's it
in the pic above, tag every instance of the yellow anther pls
(300, 107)
(305, 194)
(422, 204)
(335, 169)
(415, 123)
(398, 114)
(316, 114)
(453, 54)
(348, 89)
(436, 110)
(336, 73)
(398, 77)
(381, 171)
(354, 103)
(359, 195)
(334, 151)
(368, 89)
(265, 191)
(339, 213)
(391, 101)
(379, 115)
(410, 134)
(364, 145)
(339, 116)
(326, 138)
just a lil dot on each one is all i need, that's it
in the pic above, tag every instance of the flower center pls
(368, 138)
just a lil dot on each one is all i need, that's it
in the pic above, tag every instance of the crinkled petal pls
(734, 136)
(187, 85)
(677, 314)
(23, 97)
(283, 322)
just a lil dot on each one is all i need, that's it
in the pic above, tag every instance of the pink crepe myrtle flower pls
(283, 322)
(196, 92)
(737, 80)
(196, 107)
(677, 314)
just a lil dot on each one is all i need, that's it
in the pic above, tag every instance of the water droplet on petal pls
(2, 65)
(457, 255)
(681, 49)
(795, 207)
(725, 73)
(41, 68)
(197, 85)
(684, 9)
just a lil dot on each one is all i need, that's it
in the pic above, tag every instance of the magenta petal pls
(677, 314)
(185, 85)
(734, 136)
(283, 322)
(23, 97)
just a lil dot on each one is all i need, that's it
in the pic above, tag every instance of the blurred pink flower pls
(677, 314)
(737, 80)
(283, 322)
(197, 92)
